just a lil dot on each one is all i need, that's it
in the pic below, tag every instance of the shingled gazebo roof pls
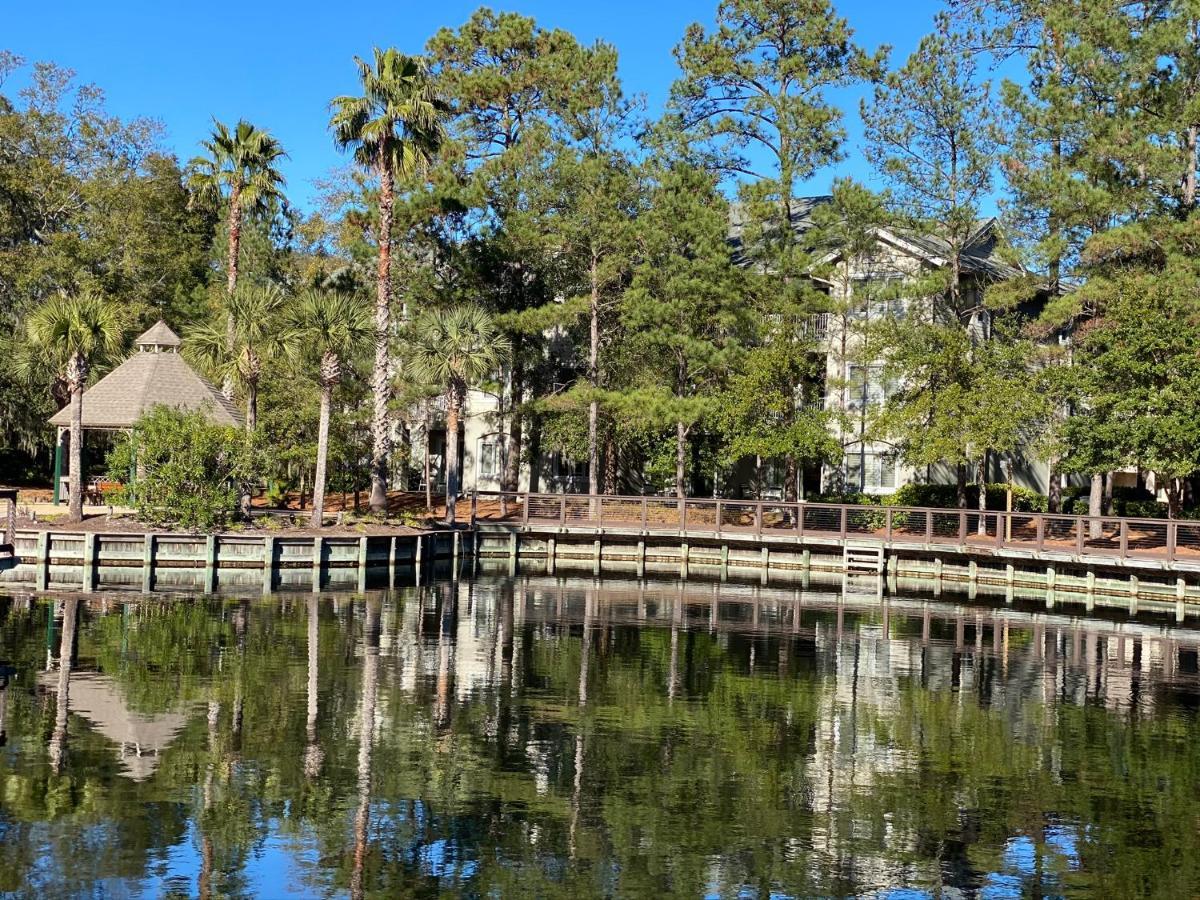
(155, 374)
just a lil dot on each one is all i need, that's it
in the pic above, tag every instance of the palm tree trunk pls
(66, 651)
(453, 407)
(428, 461)
(251, 405)
(76, 376)
(313, 756)
(370, 690)
(381, 385)
(318, 510)
(231, 274)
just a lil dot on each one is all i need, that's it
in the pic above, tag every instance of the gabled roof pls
(978, 255)
(152, 376)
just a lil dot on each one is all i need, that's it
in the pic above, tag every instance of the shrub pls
(189, 471)
(945, 496)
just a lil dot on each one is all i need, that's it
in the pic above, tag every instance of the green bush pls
(945, 496)
(189, 471)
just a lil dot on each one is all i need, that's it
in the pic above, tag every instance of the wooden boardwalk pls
(1102, 540)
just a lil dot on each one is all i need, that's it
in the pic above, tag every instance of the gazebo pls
(155, 374)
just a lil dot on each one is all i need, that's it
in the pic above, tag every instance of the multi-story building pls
(859, 289)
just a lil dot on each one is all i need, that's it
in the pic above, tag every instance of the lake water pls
(560, 737)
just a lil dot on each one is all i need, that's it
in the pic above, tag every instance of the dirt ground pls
(35, 512)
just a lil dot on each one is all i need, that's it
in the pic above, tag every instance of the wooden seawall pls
(1068, 557)
(60, 560)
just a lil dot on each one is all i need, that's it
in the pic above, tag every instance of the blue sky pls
(278, 64)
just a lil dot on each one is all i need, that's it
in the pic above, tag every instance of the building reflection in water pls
(908, 742)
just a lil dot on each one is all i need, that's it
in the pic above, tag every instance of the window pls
(872, 471)
(566, 468)
(489, 459)
(877, 296)
(866, 385)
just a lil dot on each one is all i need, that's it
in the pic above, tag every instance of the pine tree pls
(685, 314)
(754, 97)
(931, 133)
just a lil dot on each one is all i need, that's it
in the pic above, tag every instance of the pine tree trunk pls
(512, 462)
(318, 507)
(1189, 177)
(381, 384)
(535, 454)
(452, 413)
(76, 376)
(1095, 507)
(961, 486)
(594, 378)
(982, 529)
(791, 468)
(681, 433)
(1107, 505)
(1053, 488)
(610, 463)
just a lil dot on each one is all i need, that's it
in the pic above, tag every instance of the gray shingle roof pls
(145, 380)
(978, 256)
(158, 335)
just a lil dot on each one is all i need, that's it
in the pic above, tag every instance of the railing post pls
(1000, 529)
(962, 526)
(928, 526)
(644, 513)
(758, 518)
(1078, 536)
(1124, 538)
(718, 517)
(10, 523)
(474, 507)
(562, 509)
(842, 522)
(599, 511)
(799, 519)
(888, 516)
(683, 515)
(1041, 532)
(1171, 526)
(525, 510)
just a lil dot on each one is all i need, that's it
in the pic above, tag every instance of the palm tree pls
(456, 348)
(330, 324)
(394, 128)
(71, 332)
(254, 336)
(240, 165)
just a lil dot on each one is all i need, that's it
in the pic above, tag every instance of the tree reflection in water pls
(547, 736)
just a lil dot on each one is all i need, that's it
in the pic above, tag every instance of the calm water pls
(535, 736)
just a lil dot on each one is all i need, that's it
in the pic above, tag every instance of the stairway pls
(862, 559)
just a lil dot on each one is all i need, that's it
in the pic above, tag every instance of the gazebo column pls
(58, 465)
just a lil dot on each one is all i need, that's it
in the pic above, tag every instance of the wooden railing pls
(1102, 536)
